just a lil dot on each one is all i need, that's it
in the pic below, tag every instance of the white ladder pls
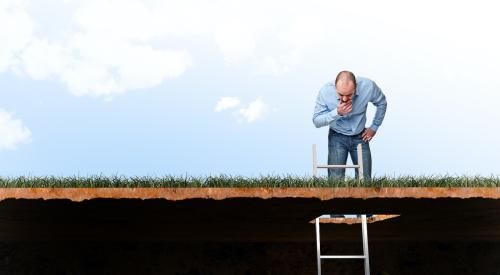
(365, 256)
(359, 165)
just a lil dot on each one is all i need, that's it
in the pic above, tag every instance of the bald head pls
(345, 78)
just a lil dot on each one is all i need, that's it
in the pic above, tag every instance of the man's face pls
(345, 92)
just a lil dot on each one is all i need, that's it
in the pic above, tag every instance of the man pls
(342, 106)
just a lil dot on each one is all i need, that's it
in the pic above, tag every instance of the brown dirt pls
(245, 230)
(245, 219)
(388, 258)
(174, 194)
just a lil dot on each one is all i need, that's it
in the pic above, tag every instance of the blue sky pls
(158, 88)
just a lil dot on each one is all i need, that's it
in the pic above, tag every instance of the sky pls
(204, 88)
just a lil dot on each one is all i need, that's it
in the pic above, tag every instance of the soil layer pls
(79, 194)
(386, 258)
(248, 231)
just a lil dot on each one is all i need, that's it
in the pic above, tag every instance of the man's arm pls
(322, 115)
(378, 99)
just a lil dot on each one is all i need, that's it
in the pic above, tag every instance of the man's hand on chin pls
(368, 134)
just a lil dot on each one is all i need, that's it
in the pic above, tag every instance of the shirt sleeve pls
(379, 101)
(322, 115)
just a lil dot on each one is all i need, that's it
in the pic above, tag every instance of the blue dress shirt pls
(353, 123)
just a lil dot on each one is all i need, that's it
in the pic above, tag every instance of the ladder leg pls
(318, 254)
(361, 175)
(315, 164)
(365, 244)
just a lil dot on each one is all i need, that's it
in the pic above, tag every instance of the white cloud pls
(251, 112)
(279, 65)
(106, 47)
(15, 32)
(236, 39)
(109, 66)
(254, 111)
(12, 132)
(97, 65)
(227, 103)
(96, 55)
(41, 60)
(101, 48)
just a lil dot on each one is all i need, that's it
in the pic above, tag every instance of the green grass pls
(238, 181)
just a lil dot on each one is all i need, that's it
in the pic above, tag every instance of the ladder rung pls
(342, 257)
(337, 166)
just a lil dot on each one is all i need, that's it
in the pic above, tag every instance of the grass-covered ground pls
(238, 181)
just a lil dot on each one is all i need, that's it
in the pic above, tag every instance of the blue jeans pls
(338, 147)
